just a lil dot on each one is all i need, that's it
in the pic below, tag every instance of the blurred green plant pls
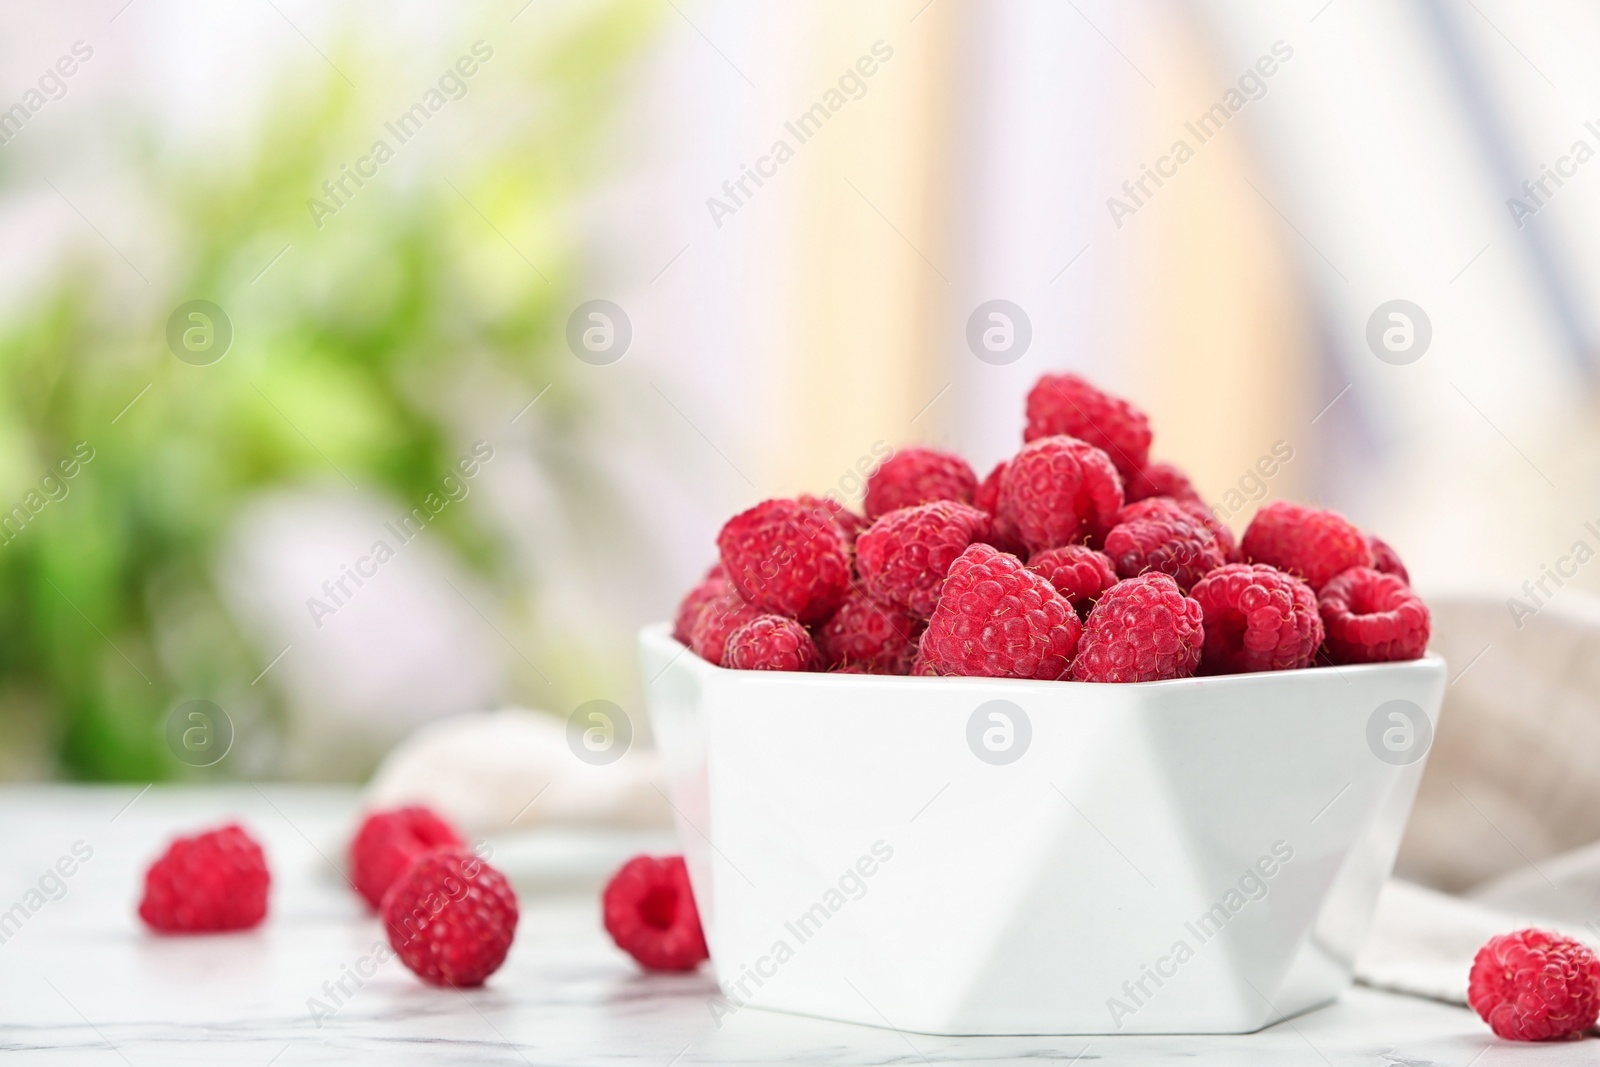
(358, 340)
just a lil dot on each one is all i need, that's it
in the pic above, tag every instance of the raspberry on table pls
(998, 619)
(207, 883)
(850, 524)
(864, 633)
(1311, 543)
(1068, 404)
(1142, 630)
(1386, 559)
(389, 841)
(650, 913)
(720, 617)
(915, 476)
(1257, 618)
(1059, 491)
(713, 585)
(1159, 534)
(904, 555)
(1535, 986)
(1372, 617)
(786, 558)
(771, 643)
(451, 918)
(1159, 479)
(1078, 572)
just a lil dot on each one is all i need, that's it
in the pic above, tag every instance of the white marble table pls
(81, 981)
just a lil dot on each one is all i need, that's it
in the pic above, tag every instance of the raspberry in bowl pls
(1037, 778)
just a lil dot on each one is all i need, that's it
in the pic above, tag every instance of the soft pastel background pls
(772, 348)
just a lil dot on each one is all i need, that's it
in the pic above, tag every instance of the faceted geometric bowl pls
(998, 856)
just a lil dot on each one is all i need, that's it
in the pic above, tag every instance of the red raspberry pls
(915, 476)
(1059, 490)
(1309, 543)
(1159, 534)
(1078, 572)
(922, 668)
(213, 881)
(1224, 536)
(1257, 618)
(904, 555)
(850, 524)
(770, 643)
(713, 585)
(650, 914)
(1143, 630)
(785, 558)
(1386, 559)
(987, 496)
(1372, 617)
(718, 619)
(451, 918)
(1002, 532)
(1160, 479)
(1535, 986)
(1067, 404)
(998, 619)
(863, 633)
(389, 841)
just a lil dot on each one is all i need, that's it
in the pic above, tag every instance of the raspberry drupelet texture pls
(1161, 535)
(713, 585)
(1159, 479)
(850, 524)
(1059, 491)
(451, 918)
(1386, 559)
(904, 555)
(1142, 630)
(650, 913)
(1535, 986)
(771, 643)
(207, 883)
(1311, 543)
(719, 618)
(1219, 529)
(915, 476)
(1372, 617)
(998, 619)
(786, 558)
(389, 842)
(864, 633)
(1068, 404)
(1257, 618)
(1002, 532)
(1078, 572)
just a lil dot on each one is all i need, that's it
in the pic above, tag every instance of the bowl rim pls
(661, 632)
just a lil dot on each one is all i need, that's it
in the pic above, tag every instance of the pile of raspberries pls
(1076, 559)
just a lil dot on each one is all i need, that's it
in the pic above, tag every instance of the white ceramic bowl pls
(1192, 856)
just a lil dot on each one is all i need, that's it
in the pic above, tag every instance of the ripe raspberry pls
(1219, 529)
(1143, 630)
(713, 585)
(1159, 479)
(922, 668)
(213, 881)
(785, 558)
(1067, 404)
(904, 555)
(1386, 559)
(915, 476)
(998, 619)
(1309, 543)
(770, 643)
(1002, 532)
(1059, 490)
(650, 914)
(1078, 572)
(1257, 618)
(1159, 534)
(451, 918)
(850, 524)
(864, 633)
(389, 841)
(1372, 617)
(718, 619)
(1535, 986)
